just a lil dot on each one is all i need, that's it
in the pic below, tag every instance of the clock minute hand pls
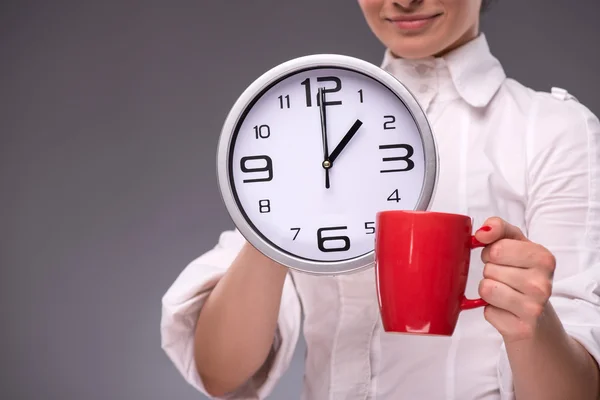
(345, 140)
(326, 163)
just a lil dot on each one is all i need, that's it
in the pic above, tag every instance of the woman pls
(523, 164)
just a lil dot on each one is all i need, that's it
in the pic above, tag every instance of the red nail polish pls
(476, 243)
(485, 228)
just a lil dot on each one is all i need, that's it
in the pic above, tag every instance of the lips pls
(413, 22)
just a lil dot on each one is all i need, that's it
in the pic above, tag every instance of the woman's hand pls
(517, 279)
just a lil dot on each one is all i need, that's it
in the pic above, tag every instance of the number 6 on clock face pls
(312, 150)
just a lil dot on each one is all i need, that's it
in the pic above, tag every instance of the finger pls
(530, 282)
(495, 228)
(519, 254)
(503, 296)
(506, 323)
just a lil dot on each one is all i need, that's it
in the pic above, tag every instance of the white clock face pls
(276, 160)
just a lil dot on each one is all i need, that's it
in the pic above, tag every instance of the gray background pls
(110, 114)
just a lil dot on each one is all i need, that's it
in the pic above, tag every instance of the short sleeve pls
(181, 305)
(563, 214)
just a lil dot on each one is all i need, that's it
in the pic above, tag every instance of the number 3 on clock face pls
(312, 150)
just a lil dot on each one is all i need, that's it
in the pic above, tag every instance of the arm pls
(189, 344)
(552, 365)
(544, 287)
(546, 363)
(236, 325)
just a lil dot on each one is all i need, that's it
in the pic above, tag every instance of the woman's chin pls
(413, 49)
(418, 47)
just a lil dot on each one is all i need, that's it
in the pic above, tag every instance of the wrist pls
(551, 359)
(251, 256)
(548, 327)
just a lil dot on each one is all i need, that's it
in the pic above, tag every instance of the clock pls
(312, 150)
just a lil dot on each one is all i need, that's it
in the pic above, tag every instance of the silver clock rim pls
(278, 72)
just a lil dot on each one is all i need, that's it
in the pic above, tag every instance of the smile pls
(413, 23)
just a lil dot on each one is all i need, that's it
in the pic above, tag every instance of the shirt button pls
(423, 88)
(422, 69)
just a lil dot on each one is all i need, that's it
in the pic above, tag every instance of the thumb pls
(495, 228)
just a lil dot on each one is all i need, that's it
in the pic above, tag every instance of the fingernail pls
(485, 228)
(476, 243)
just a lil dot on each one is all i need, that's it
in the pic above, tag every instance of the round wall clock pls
(312, 150)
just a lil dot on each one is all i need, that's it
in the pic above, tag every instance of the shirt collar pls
(475, 72)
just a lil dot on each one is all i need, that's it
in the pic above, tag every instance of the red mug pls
(421, 265)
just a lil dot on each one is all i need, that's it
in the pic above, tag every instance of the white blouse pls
(505, 150)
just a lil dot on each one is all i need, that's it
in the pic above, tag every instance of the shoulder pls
(551, 114)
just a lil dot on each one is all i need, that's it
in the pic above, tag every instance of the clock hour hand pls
(345, 140)
(326, 162)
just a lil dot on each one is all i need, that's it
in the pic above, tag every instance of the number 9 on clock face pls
(312, 150)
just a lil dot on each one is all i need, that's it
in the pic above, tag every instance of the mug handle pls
(468, 304)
